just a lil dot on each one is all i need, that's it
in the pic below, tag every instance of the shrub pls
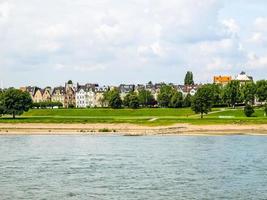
(248, 110)
(104, 130)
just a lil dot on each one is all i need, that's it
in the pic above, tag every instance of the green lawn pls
(148, 116)
(235, 113)
(100, 112)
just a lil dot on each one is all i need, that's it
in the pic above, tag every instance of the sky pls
(130, 41)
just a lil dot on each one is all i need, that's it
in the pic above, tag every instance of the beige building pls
(47, 94)
(38, 96)
(58, 95)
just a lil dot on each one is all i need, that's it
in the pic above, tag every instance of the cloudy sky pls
(46, 42)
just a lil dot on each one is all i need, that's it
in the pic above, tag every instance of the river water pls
(117, 167)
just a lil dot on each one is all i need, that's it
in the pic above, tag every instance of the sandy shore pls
(129, 129)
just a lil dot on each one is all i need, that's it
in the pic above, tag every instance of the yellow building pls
(38, 96)
(222, 80)
(47, 94)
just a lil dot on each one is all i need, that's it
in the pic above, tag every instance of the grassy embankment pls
(150, 117)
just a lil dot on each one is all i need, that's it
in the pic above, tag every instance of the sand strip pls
(129, 129)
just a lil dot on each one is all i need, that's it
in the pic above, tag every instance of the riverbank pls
(128, 129)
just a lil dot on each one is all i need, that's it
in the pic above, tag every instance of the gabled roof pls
(59, 89)
(188, 88)
(86, 88)
(101, 89)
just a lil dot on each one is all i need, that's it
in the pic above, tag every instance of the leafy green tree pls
(261, 90)
(217, 94)
(146, 98)
(187, 101)
(126, 100)
(248, 110)
(15, 102)
(165, 95)
(248, 92)
(232, 93)
(131, 100)
(113, 98)
(189, 78)
(176, 100)
(134, 101)
(203, 100)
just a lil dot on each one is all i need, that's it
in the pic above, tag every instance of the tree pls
(165, 95)
(187, 101)
(217, 94)
(131, 100)
(15, 102)
(113, 98)
(189, 78)
(146, 98)
(248, 110)
(203, 99)
(176, 100)
(134, 101)
(248, 92)
(261, 90)
(126, 100)
(232, 93)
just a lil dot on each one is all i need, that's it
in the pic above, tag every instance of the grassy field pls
(150, 117)
(146, 112)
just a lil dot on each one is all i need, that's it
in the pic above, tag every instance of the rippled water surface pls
(116, 167)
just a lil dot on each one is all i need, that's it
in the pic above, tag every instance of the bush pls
(104, 130)
(248, 110)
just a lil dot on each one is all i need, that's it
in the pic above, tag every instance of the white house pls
(85, 97)
(243, 78)
(188, 89)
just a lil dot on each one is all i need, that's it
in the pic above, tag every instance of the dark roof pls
(123, 88)
(188, 88)
(60, 89)
(85, 88)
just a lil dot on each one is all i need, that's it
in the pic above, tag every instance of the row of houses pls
(92, 95)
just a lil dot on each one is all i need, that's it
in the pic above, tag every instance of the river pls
(120, 167)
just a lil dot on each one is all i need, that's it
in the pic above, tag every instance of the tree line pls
(231, 95)
(168, 97)
(208, 96)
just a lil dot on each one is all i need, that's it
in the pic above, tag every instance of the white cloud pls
(257, 62)
(232, 26)
(259, 35)
(114, 36)
(261, 23)
(4, 10)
